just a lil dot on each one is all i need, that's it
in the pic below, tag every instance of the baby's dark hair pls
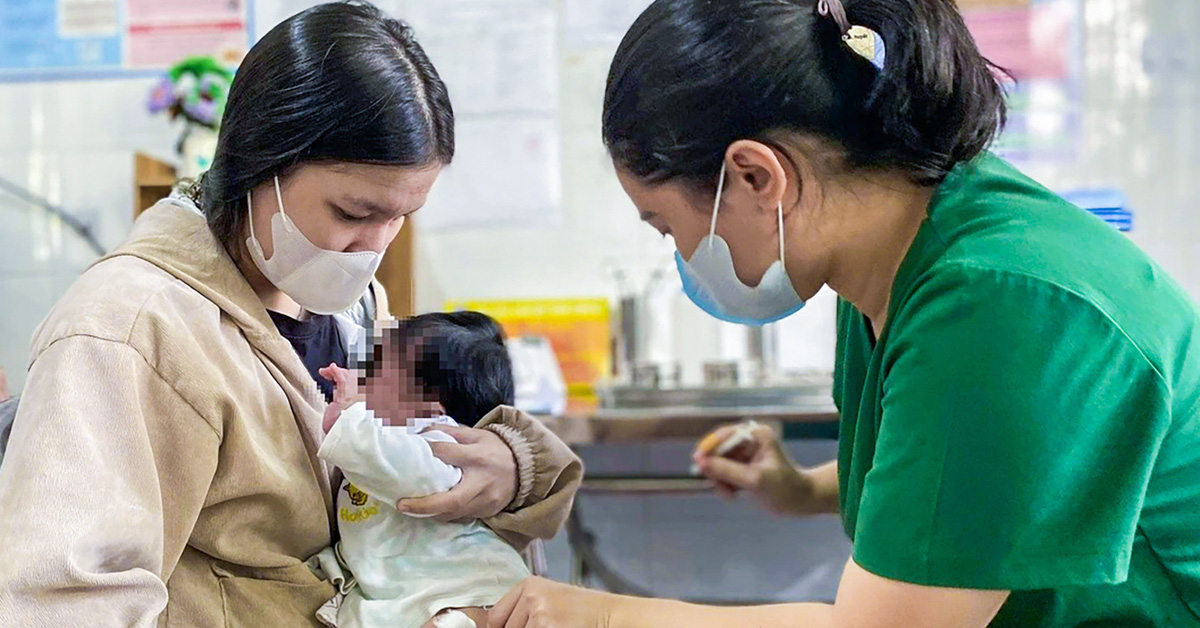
(459, 358)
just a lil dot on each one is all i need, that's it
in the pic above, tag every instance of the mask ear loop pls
(287, 223)
(278, 198)
(712, 229)
(250, 210)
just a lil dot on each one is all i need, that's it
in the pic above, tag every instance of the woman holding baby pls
(163, 467)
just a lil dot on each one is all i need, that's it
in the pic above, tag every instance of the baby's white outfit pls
(407, 569)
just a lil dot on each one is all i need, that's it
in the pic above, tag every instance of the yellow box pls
(579, 330)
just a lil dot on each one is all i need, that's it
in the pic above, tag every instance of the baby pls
(414, 572)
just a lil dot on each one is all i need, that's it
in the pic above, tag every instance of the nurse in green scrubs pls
(1019, 385)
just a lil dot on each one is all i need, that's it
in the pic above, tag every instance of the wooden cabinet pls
(397, 272)
(154, 179)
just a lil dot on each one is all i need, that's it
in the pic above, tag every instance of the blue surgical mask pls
(711, 282)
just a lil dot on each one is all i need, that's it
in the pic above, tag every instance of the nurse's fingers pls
(765, 434)
(500, 614)
(519, 617)
(727, 491)
(735, 474)
(710, 442)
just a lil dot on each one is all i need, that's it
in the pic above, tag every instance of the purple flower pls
(202, 110)
(162, 96)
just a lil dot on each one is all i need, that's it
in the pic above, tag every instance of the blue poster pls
(80, 39)
(43, 35)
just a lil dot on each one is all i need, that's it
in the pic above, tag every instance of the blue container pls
(1109, 204)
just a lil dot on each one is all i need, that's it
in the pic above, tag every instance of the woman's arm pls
(533, 503)
(549, 474)
(106, 471)
(864, 601)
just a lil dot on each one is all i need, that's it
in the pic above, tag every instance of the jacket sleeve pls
(100, 449)
(548, 476)
(385, 461)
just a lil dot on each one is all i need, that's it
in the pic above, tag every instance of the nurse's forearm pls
(864, 599)
(632, 612)
(823, 484)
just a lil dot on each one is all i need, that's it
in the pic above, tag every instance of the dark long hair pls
(693, 76)
(339, 82)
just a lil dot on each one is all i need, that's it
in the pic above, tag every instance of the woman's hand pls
(489, 482)
(541, 603)
(764, 470)
(4, 396)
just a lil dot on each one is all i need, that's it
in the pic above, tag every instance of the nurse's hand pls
(4, 396)
(765, 471)
(489, 482)
(541, 603)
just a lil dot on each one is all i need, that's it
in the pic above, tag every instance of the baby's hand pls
(332, 412)
(345, 384)
(345, 392)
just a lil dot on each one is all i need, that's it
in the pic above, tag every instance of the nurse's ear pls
(764, 176)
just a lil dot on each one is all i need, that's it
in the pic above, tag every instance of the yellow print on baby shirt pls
(358, 515)
(358, 498)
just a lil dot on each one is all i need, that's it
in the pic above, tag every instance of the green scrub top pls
(1029, 419)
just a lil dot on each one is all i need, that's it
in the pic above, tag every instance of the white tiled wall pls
(71, 143)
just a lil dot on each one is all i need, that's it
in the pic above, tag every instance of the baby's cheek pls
(384, 387)
(373, 394)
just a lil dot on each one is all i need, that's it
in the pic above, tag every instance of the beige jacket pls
(163, 464)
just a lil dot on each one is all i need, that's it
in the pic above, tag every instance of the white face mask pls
(322, 282)
(710, 281)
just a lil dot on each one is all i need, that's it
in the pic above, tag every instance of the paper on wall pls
(599, 22)
(495, 56)
(506, 171)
